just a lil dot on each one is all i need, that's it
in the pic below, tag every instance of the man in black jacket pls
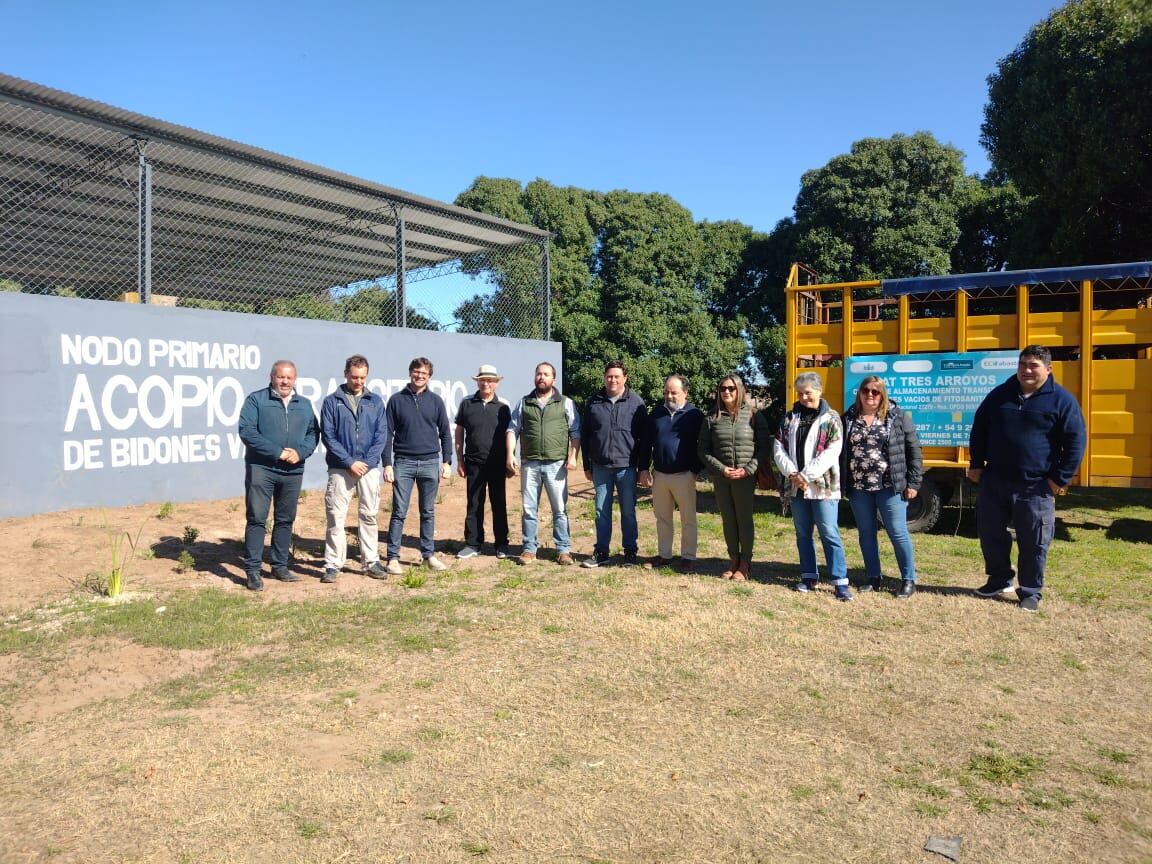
(481, 453)
(613, 433)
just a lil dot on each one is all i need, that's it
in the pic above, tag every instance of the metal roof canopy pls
(1009, 278)
(272, 225)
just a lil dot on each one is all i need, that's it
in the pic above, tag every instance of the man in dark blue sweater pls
(670, 447)
(418, 452)
(1026, 443)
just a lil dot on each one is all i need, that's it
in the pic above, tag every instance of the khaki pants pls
(679, 490)
(337, 498)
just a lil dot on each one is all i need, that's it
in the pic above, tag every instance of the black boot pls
(907, 589)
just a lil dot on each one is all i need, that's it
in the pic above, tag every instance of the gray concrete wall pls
(109, 404)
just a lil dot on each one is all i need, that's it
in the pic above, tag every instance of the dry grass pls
(554, 714)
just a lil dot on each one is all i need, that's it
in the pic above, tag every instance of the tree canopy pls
(1068, 122)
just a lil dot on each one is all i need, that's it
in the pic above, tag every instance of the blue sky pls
(722, 106)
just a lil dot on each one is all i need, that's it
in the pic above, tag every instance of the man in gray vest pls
(548, 427)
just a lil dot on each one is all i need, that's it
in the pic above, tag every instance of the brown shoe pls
(740, 574)
(730, 570)
(564, 559)
(527, 557)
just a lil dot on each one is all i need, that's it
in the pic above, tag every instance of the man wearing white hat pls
(481, 451)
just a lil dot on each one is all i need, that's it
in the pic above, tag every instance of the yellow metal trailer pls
(1097, 321)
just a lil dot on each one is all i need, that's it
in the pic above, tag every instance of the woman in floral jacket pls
(807, 454)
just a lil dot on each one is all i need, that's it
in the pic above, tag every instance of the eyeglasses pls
(726, 388)
(870, 391)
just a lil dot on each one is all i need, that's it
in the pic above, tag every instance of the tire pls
(924, 509)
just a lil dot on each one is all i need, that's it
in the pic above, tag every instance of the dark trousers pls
(264, 488)
(485, 481)
(1031, 511)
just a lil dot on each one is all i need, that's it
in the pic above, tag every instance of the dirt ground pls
(549, 714)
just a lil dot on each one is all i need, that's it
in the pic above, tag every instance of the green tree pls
(626, 272)
(1068, 121)
(886, 209)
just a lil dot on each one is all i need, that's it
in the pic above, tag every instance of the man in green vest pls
(548, 427)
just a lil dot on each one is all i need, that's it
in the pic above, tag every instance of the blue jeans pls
(425, 474)
(1031, 510)
(894, 511)
(821, 514)
(553, 476)
(623, 481)
(264, 488)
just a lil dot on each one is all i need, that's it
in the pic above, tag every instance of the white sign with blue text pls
(940, 391)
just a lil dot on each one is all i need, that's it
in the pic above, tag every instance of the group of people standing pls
(1026, 444)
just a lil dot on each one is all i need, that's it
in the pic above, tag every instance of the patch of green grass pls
(928, 810)
(802, 793)
(1107, 777)
(1044, 799)
(345, 697)
(1000, 658)
(1092, 817)
(476, 850)
(310, 830)
(423, 684)
(430, 733)
(512, 581)
(813, 693)
(441, 815)
(741, 591)
(1071, 661)
(553, 629)
(1004, 769)
(390, 757)
(174, 721)
(193, 620)
(609, 580)
(1120, 757)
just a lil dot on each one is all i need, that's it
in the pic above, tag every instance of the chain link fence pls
(98, 203)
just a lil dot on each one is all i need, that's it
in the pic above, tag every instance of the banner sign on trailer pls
(940, 391)
(109, 404)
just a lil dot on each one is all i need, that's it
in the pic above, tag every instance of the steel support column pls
(546, 275)
(144, 224)
(401, 298)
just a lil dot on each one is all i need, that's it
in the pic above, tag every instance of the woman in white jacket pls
(807, 453)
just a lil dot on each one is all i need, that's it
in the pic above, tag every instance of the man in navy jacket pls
(418, 453)
(670, 448)
(1026, 443)
(279, 431)
(613, 430)
(354, 430)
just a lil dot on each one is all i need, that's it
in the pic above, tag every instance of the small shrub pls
(309, 830)
(414, 579)
(40, 543)
(476, 850)
(185, 562)
(233, 506)
(441, 815)
(165, 511)
(190, 535)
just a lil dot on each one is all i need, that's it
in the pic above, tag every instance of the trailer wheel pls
(924, 509)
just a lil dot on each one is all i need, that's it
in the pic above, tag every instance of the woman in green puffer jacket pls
(733, 443)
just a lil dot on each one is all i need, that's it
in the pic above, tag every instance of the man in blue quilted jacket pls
(279, 431)
(354, 429)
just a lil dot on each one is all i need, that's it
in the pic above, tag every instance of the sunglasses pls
(724, 388)
(870, 391)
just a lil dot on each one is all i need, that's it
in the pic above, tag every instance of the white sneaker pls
(434, 563)
(394, 567)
